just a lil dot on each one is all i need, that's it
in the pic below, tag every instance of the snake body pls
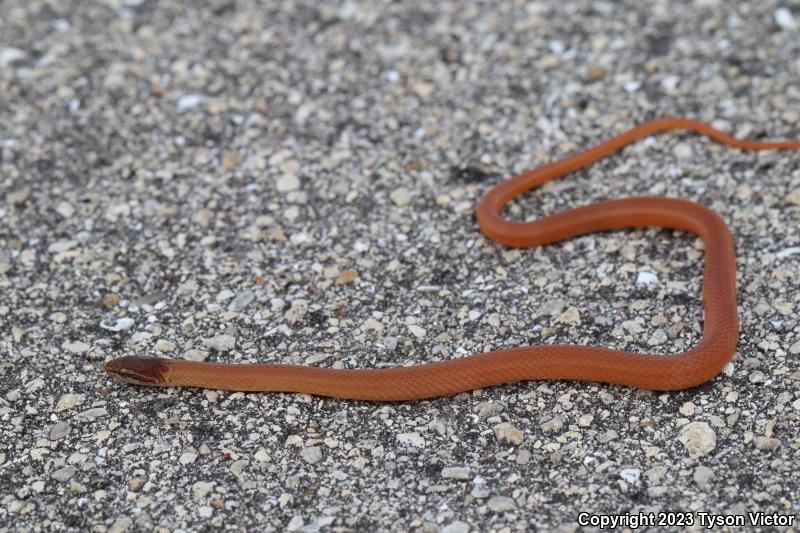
(565, 362)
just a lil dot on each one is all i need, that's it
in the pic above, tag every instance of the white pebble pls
(632, 326)
(570, 316)
(11, 55)
(508, 434)
(766, 443)
(121, 324)
(287, 183)
(300, 238)
(295, 523)
(455, 472)
(201, 489)
(242, 300)
(187, 458)
(632, 86)
(658, 337)
(785, 19)
(188, 101)
(193, 354)
(400, 196)
(75, 346)
(93, 413)
(61, 246)
(702, 475)
(164, 346)
(501, 504)
(411, 439)
(631, 475)
(224, 295)
(698, 438)
(390, 343)
(221, 343)
(68, 401)
(262, 456)
(59, 430)
(456, 527)
(687, 409)
(670, 83)
(646, 278)
(312, 454)
(417, 331)
(683, 151)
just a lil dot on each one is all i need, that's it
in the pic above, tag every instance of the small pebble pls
(417, 331)
(659, 336)
(122, 523)
(456, 527)
(683, 151)
(63, 474)
(767, 443)
(164, 346)
(346, 277)
(411, 439)
(136, 483)
(687, 409)
(239, 466)
(68, 401)
(630, 475)
(570, 316)
(523, 457)
(110, 300)
(241, 301)
(401, 197)
(785, 19)
(501, 504)
(195, 354)
(288, 183)
(187, 458)
(121, 324)
(702, 476)
(311, 454)
(221, 343)
(76, 346)
(9, 56)
(201, 489)
(646, 278)
(59, 430)
(506, 433)
(456, 472)
(698, 438)
(390, 342)
(188, 102)
(554, 424)
(487, 409)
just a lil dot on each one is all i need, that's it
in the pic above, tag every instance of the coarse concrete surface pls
(247, 181)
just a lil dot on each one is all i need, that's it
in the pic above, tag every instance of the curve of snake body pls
(566, 362)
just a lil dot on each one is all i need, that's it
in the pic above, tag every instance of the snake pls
(658, 372)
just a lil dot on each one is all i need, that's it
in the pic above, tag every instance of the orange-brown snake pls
(568, 362)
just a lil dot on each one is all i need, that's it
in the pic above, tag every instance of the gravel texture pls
(295, 182)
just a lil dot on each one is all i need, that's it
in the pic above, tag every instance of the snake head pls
(147, 371)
